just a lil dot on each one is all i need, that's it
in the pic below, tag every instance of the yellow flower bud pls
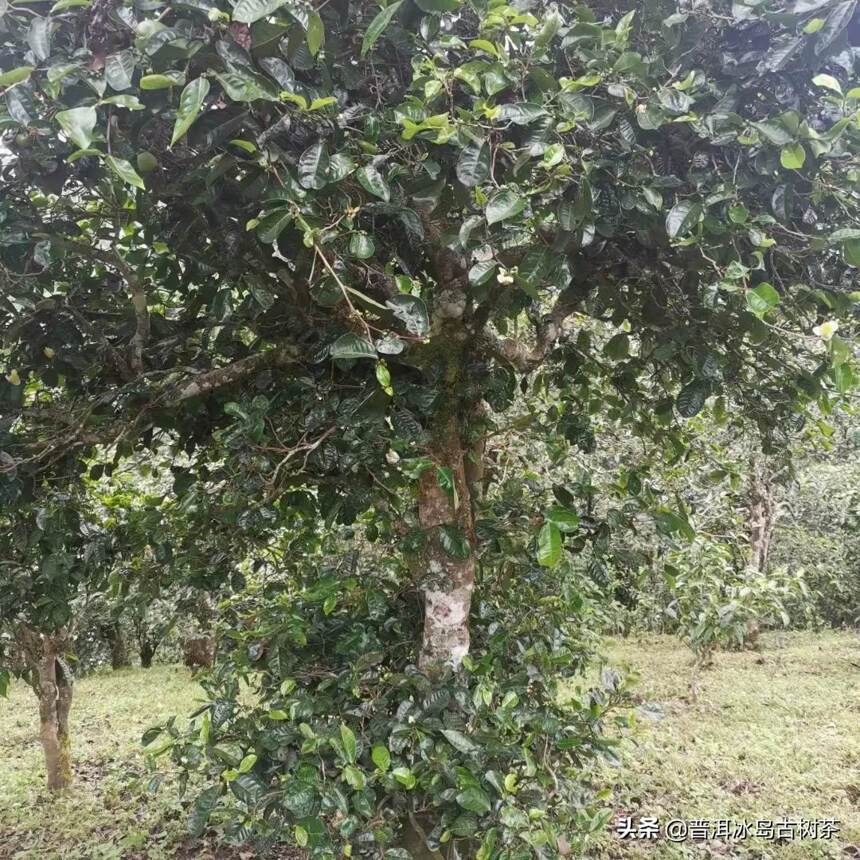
(49, 353)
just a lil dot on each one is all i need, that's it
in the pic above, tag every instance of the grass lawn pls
(773, 734)
(99, 818)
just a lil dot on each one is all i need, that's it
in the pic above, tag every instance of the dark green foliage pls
(297, 251)
(346, 737)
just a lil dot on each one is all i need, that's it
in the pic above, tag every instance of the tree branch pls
(526, 359)
(221, 376)
(78, 429)
(137, 292)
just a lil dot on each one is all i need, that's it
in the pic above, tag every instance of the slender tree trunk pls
(447, 579)
(763, 516)
(64, 705)
(52, 682)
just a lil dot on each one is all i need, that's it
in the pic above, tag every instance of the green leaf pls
(691, 398)
(844, 234)
(454, 542)
(505, 204)
(773, 131)
(355, 777)
(273, 224)
(549, 545)
(405, 777)
(319, 104)
(350, 746)
(445, 479)
(39, 38)
(381, 757)
(378, 25)
(361, 246)
(124, 101)
(762, 298)
(547, 32)
(473, 165)
(248, 11)
(60, 5)
(674, 101)
(124, 171)
(843, 378)
(739, 214)
(474, 799)
(838, 19)
(315, 34)
(313, 166)
(522, 113)
(161, 82)
(202, 808)
(15, 76)
(190, 103)
(432, 6)
(78, 124)
(563, 518)
(554, 155)
(351, 346)
(670, 523)
(485, 46)
(791, 157)
(828, 82)
(682, 217)
(371, 180)
(482, 271)
(462, 743)
(119, 69)
(851, 253)
(248, 787)
(412, 311)
(247, 763)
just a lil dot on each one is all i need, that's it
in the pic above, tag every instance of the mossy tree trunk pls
(447, 564)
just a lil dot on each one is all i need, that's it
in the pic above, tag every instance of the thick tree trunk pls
(52, 682)
(147, 652)
(447, 579)
(118, 649)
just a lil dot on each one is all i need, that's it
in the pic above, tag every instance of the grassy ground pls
(773, 734)
(100, 818)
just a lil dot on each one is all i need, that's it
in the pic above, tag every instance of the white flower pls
(13, 377)
(505, 276)
(392, 457)
(826, 330)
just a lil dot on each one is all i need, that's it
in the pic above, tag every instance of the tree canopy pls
(312, 256)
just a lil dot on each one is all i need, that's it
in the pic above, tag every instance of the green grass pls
(772, 734)
(100, 817)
